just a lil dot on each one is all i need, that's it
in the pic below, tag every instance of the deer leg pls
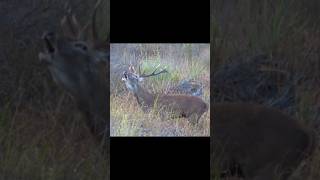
(193, 119)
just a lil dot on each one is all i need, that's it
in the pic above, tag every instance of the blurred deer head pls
(77, 61)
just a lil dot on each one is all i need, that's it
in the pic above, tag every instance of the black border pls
(162, 21)
(160, 158)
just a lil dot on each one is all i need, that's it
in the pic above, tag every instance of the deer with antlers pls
(77, 61)
(176, 106)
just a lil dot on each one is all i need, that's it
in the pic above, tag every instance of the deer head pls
(77, 61)
(132, 79)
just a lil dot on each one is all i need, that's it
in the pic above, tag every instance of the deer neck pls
(144, 98)
(94, 106)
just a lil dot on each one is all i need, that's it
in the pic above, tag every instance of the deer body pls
(177, 106)
(263, 143)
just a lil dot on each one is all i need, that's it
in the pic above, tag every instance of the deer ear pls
(140, 79)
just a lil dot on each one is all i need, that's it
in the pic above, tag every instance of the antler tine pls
(69, 23)
(67, 6)
(91, 24)
(139, 69)
(154, 72)
(131, 68)
(97, 5)
(94, 29)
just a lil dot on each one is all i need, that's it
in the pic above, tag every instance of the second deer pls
(177, 106)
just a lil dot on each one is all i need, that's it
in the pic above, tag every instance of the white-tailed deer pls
(257, 142)
(176, 106)
(77, 61)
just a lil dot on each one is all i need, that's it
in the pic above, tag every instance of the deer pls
(257, 142)
(176, 106)
(77, 62)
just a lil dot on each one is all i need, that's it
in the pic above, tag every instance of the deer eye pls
(81, 45)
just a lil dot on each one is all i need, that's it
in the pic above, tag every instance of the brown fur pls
(263, 142)
(184, 106)
(190, 107)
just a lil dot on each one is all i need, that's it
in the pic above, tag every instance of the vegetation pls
(41, 136)
(285, 30)
(127, 118)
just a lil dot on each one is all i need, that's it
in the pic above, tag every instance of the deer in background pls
(77, 61)
(176, 106)
(257, 142)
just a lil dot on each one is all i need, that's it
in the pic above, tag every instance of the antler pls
(69, 23)
(131, 69)
(85, 31)
(153, 73)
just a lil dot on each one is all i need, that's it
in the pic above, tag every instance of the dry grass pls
(48, 144)
(127, 118)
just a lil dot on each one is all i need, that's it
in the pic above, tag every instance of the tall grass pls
(40, 135)
(287, 31)
(127, 118)
(40, 145)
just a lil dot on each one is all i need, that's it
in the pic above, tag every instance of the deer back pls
(183, 104)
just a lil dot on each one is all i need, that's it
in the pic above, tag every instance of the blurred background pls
(188, 67)
(268, 52)
(39, 136)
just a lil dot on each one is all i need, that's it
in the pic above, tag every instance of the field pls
(182, 61)
(41, 133)
(285, 31)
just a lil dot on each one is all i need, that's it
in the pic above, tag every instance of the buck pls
(257, 142)
(176, 106)
(77, 62)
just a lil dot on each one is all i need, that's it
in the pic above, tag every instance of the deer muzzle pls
(124, 76)
(46, 56)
